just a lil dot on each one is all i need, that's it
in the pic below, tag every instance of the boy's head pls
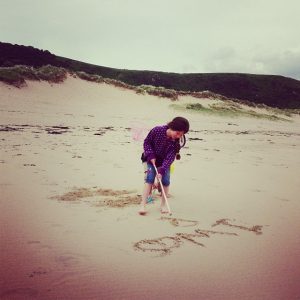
(178, 127)
(179, 124)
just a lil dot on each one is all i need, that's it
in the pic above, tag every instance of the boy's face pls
(176, 134)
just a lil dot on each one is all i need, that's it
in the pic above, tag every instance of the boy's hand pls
(158, 176)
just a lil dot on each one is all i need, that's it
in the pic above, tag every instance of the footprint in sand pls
(38, 272)
(33, 242)
(66, 260)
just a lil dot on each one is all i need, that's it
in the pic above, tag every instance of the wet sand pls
(71, 180)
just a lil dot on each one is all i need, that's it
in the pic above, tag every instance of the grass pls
(89, 77)
(12, 77)
(17, 75)
(157, 91)
(234, 110)
(51, 73)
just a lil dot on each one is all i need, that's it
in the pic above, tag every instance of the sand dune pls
(71, 180)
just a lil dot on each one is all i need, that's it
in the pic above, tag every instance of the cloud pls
(286, 62)
(259, 61)
(191, 36)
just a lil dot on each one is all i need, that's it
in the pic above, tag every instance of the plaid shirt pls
(157, 145)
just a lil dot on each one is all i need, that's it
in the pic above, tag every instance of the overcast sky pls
(184, 36)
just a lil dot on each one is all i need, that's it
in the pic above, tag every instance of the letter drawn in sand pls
(180, 222)
(161, 245)
(257, 229)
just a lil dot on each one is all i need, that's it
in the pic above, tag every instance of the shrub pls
(11, 76)
(118, 83)
(140, 90)
(90, 77)
(51, 73)
(196, 106)
(25, 72)
(17, 75)
(157, 91)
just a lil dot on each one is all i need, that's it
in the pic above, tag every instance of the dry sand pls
(70, 181)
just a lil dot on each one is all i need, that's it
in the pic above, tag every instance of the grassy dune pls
(271, 90)
(17, 76)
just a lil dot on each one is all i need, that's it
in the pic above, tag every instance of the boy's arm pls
(148, 150)
(167, 162)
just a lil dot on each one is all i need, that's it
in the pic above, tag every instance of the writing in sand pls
(166, 244)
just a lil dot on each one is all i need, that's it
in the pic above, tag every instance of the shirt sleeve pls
(167, 162)
(148, 145)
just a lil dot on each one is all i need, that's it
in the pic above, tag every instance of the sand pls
(71, 180)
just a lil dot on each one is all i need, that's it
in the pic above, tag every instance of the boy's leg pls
(163, 206)
(146, 193)
(166, 184)
(166, 189)
(149, 180)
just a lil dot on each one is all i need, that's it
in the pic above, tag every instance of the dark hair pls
(179, 124)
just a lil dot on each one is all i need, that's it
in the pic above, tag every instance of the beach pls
(71, 181)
